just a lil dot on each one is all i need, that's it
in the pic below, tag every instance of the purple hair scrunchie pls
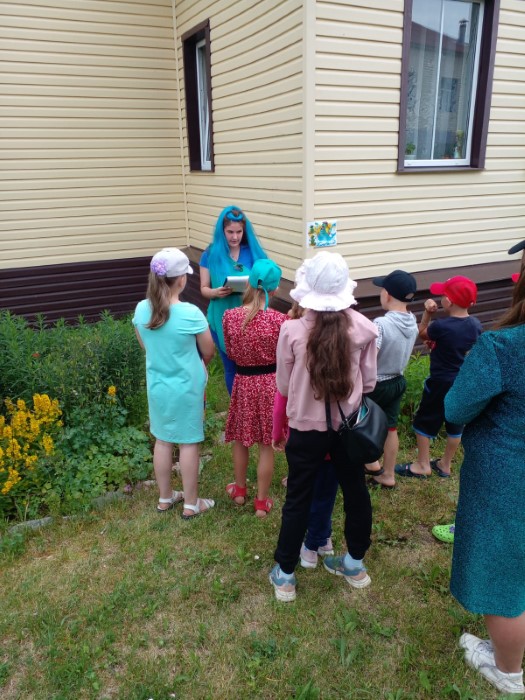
(159, 267)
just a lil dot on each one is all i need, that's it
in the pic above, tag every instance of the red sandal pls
(234, 491)
(264, 504)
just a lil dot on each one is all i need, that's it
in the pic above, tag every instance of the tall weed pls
(75, 364)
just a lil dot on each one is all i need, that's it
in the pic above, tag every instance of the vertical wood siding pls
(418, 221)
(91, 156)
(257, 101)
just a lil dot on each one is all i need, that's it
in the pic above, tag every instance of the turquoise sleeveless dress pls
(175, 374)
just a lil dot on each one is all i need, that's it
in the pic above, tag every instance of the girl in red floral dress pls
(251, 332)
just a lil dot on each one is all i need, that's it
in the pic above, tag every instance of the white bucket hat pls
(300, 288)
(170, 262)
(325, 285)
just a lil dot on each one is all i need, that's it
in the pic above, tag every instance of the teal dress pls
(217, 307)
(175, 374)
(488, 566)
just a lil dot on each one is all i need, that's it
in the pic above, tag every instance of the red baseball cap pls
(460, 290)
(515, 277)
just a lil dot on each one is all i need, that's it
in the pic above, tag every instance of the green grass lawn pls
(124, 603)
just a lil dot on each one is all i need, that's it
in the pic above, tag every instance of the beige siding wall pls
(91, 161)
(257, 94)
(418, 221)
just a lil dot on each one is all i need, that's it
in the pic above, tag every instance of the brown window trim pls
(483, 95)
(189, 41)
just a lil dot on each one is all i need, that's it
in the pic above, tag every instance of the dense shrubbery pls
(88, 437)
(74, 364)
(46, 467)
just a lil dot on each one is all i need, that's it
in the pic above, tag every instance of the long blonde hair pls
(252, 299)
(159, 295)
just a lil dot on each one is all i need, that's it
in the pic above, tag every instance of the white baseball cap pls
(170, 262)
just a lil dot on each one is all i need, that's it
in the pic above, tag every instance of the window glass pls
(442, 76)
(204, 110)
(196, 53)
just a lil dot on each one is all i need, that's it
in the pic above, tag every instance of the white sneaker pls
(479, 654)
(309, 556)
(327, 550)
(477, 650)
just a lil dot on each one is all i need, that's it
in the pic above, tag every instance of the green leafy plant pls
(100, 453)
(73, 363)
(415, 374)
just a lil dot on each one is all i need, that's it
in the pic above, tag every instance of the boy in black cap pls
(397, 334)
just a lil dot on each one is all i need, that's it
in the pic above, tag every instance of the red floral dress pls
(251, 406)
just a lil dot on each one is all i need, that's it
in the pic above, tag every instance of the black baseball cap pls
(516, 248)
(399, 284)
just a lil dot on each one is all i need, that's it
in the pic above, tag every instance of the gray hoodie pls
(397, 334)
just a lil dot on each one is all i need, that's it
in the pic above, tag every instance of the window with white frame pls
(446, 83)
(197, 85)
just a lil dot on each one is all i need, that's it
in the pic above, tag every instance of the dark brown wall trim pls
(66, 291)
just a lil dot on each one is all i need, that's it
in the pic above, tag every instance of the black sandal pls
(374, 472)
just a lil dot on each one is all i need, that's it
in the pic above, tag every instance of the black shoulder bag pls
(363, 433)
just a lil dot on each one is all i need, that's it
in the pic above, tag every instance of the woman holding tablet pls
(232, 252)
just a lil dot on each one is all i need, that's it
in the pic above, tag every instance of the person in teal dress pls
(178, 345)
(488, 567)
(232, 252)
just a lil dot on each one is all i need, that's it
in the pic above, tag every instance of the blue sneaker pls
(358, 578)
(284, 588)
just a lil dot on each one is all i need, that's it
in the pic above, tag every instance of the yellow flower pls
(48, 444)
(112, 390)
(12, 479)
(23, 437)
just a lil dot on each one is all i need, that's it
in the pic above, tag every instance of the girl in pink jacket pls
(327, 356)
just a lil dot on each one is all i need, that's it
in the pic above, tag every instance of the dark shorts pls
(430, 415)
(388, 395)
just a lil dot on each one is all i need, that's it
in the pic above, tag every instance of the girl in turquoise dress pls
(178, 345)
(488, 567)
(232, 252)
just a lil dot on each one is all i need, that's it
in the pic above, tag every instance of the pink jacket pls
(293, 380)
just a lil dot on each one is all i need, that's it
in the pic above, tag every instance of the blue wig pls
(219, 260)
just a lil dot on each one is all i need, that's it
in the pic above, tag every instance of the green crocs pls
(444, 533)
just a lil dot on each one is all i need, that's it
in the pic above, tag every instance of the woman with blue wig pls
(232, 252)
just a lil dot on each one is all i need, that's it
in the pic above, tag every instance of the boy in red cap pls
(450, 339)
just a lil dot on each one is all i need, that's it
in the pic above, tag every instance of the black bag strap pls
(328, 416)
(344, 419)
